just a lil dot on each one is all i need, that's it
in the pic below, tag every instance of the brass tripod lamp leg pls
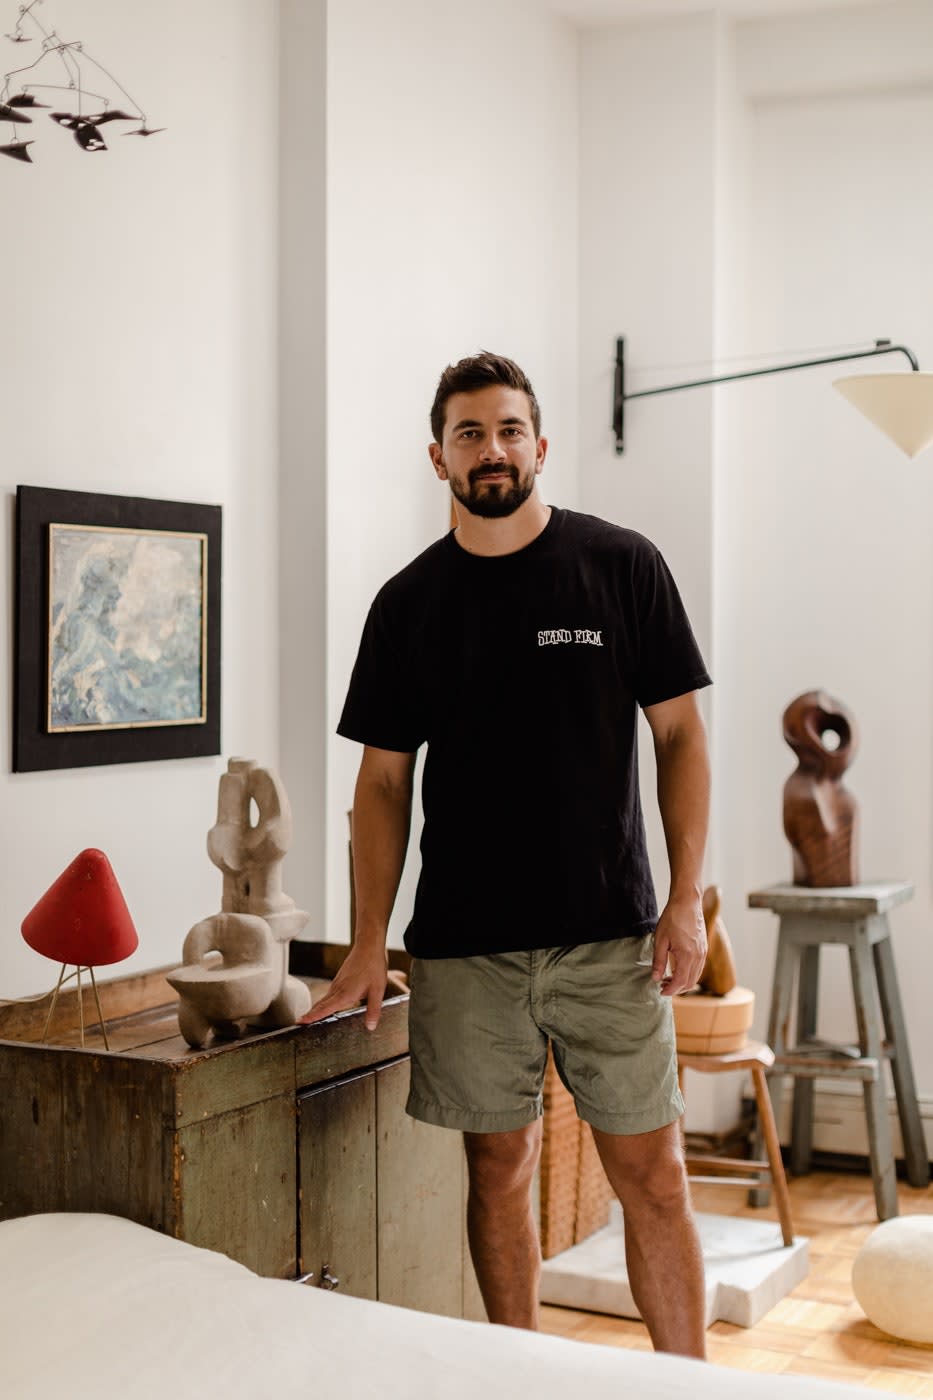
(58, 986)
(100, 1014)
(80, 1008)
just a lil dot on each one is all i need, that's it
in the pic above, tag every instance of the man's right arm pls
(380, 826)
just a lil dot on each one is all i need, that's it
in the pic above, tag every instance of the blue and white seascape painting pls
(126, 628)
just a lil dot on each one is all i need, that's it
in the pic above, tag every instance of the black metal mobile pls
(17, 94)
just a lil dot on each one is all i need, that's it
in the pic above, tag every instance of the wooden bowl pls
(710, 1025)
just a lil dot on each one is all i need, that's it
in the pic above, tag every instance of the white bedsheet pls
(96, 1306)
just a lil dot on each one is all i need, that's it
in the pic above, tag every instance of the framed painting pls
(117, 629)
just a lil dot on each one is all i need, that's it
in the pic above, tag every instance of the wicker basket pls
(575, 1194)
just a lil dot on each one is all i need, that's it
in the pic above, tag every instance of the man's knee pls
(646, 1169)
(502, 1162)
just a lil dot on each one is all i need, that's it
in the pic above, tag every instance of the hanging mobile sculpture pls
(17, 95)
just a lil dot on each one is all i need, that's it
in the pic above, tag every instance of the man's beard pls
(493, 500)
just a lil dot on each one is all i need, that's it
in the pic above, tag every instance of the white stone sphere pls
(892, 1277)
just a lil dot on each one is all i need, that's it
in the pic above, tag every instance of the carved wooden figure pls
(718, 976)
(820, 814)
(715, 1017)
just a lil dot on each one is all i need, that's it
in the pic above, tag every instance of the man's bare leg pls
(662, 1249)
(501, 1225)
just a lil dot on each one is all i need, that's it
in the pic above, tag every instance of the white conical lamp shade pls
(901, 405)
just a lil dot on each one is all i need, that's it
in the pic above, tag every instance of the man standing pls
(519, 648)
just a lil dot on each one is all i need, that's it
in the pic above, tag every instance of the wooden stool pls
(857, 917)
(734, 1171)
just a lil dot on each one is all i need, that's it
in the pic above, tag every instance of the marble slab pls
(748, 1270)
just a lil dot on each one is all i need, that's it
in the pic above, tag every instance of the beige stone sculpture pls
(251, 985)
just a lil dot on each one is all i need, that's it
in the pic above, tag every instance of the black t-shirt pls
(522, 673)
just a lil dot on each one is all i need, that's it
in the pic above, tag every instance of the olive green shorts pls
(479, 1029)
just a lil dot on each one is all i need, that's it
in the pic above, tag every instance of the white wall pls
(827, 573)
(648, 133)
(140, 358)
(700, 191)
(303, 447)
(648, 154)
(743, 190)
(452, 225)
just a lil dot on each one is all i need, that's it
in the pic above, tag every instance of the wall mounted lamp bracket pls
(621, 398)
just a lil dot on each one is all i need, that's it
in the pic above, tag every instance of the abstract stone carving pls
(892, 1278)
(820, 814)
(251, 985)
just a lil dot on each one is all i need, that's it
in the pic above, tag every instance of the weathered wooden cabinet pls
(382, 1197)
(290, 1151)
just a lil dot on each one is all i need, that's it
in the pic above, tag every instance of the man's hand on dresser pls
(361, 978)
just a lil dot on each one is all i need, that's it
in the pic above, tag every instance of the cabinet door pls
(420, 1203)
(337, 1183)
(234, 1181)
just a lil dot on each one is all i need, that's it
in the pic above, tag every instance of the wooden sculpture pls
(820, 814)
(718, 975)
(716, 1016)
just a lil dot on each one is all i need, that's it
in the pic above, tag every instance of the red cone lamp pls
(82, 919)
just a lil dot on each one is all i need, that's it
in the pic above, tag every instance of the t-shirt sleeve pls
(380, 709)
(669, 660)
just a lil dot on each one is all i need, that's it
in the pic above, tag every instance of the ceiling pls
(595, 11)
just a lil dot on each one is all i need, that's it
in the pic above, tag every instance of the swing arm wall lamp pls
(886, 399)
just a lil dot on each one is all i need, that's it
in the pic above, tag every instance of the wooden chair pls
(735, 1171)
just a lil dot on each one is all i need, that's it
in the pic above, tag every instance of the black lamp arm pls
(620, 397)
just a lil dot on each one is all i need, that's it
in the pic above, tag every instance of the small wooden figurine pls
(820, 814)
(716, 1016)
(718, 976)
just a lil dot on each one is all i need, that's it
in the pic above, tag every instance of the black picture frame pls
(34, 747)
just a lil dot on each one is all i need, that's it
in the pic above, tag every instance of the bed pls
(98, 1306)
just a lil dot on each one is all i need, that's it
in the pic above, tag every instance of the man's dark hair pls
(476, 372)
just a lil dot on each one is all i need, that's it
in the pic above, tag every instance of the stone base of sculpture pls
(234, 976)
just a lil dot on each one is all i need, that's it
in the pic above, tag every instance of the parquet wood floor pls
(819, 1329)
